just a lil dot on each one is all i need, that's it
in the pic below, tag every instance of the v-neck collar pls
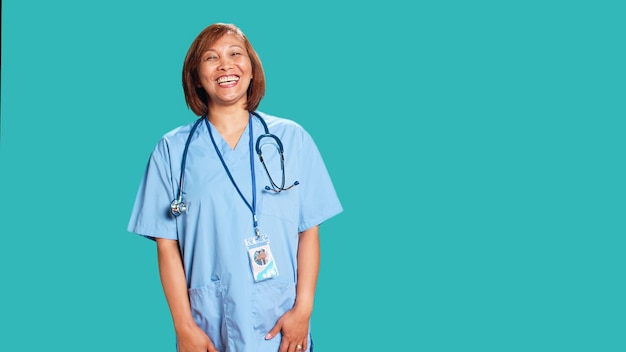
(241, 148)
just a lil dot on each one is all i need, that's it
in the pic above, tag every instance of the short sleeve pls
(318, 198)
(151, 215)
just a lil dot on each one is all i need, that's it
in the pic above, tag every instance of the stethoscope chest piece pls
(178, 207)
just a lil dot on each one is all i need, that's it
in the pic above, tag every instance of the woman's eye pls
(236, 53)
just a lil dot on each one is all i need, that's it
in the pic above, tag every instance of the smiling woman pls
(226, 287)
(222, 52)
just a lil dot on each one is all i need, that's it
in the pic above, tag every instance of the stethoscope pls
(178, 205)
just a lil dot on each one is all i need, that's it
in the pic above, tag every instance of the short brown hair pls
(195, 96)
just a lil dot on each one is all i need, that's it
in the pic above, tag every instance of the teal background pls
(477, 148)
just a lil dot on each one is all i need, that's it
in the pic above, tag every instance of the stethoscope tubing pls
(178, 206)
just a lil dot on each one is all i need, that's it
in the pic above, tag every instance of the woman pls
(235, 222)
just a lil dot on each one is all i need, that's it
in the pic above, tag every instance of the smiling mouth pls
(227, 79)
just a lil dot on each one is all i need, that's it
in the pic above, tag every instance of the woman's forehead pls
(228, 39)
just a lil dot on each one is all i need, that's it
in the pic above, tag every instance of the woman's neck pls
(230, 122)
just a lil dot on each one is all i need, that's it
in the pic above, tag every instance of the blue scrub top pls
(235, 311)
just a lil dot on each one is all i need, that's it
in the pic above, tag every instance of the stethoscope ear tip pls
(277, 189)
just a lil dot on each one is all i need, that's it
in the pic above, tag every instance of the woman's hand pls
(193, 339)
(295, 331)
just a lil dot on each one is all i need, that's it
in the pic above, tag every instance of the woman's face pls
(225, 71)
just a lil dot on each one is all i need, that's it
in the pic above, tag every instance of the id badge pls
(261, 259)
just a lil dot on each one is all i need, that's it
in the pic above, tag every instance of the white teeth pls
(225, 79)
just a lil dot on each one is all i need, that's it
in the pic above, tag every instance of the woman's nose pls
(225, 64)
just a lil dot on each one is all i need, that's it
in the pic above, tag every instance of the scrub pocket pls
(207, 308)
(271, 299)
(283, 205)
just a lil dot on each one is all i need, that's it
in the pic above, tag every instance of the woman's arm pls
(295, 323)
(190, 337)
(308, 269)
